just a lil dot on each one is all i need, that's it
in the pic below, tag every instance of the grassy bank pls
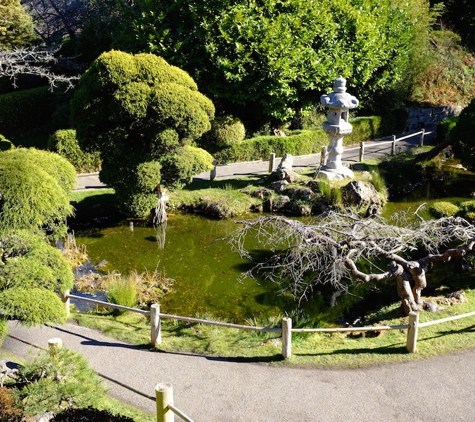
(308, 350)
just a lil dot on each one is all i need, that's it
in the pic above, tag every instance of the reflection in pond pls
(205, 270)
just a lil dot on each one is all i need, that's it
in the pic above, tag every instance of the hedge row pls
(299, 142)
(23, 111)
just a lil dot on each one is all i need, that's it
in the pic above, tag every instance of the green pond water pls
(206, 271)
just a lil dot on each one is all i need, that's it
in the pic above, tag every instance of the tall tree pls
(279, 55)
(16, 26)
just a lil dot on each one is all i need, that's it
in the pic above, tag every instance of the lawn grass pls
(343, 350)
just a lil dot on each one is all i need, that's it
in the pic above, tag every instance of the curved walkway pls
(214, 390)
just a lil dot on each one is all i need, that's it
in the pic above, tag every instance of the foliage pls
(273, 58)
(447, 75)
(23, 111)
(35, 187)
(89, 414)
(301, 142)
(58, 381)
(9, 412)
(16, 26)
(225, 131)
(443, 209)
(32, 306)
(462, 137)
(64, 143)
(153, 110)
(445, 128)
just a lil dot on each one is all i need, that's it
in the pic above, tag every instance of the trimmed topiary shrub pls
(64, 143)
(225, 132)
(463, 138)
(443, 209)
(445, 128)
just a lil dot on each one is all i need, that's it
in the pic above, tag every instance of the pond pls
(206, 271)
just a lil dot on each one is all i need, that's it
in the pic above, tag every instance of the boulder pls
(363, 196)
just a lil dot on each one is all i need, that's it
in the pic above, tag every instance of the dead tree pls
(39, 62)
(333, 250)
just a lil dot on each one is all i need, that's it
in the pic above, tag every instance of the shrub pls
(462, 136)
(225, 132)
(23, 111)
(445, 128)
(9, 412)
(64, 143)
(443, 209)
(58, 381)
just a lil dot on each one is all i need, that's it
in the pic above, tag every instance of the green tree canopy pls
(277, 56)
(463, 137)
(140, 112)
(35, 187)
(16, 25)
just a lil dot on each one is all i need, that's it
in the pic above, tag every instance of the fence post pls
(55, 345)
(421, 139)
(67, 302)
(361, 151)
(411, 344)
(155, 326)
(164, 397)
(393, 145)
(323, 156)
(286, 337)
(214, 171)
(271, 162)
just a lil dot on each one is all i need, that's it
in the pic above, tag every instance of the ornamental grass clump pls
(123, 291)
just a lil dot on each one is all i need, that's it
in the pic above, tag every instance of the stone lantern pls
(339, 104)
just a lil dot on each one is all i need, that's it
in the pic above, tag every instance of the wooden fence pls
(286, 330)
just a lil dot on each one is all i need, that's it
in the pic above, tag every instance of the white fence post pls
(393, 145)
(55, 345)
(155, 325)
(361, 151)
(67, 302)
(421, 139)
(286, 337)
(271, 162)
(411, 344)
(164, 397)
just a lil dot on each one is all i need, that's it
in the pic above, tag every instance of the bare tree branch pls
(34, 61)
(332, 250)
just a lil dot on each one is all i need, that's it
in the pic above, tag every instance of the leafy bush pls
(445, 128)
(35, 187)
(33, 306)
(463, 138)
(225, 132)
(64, 143)
(58, 381)
(9, 412)
(301, 142)
(443, 209)
(23, 111)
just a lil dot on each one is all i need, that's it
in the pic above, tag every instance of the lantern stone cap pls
(339, 99)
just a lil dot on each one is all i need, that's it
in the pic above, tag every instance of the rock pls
(262, 193)
(314, 185)
(286, 163)
(299, 193)
(278, 186)
(282, 203)
(432, 306)
(363, 196)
